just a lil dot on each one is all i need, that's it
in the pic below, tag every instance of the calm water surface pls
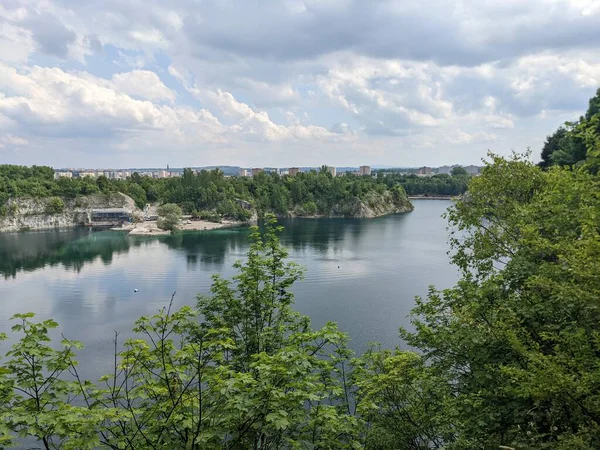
(86, 280)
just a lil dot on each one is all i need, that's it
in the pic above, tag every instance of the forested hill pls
(315, 193)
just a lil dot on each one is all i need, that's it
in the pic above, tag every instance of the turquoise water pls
(362, 274)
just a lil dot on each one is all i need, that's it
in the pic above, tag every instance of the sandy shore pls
(197, 225)
(151, 229)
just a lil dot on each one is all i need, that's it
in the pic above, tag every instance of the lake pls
(361, 273)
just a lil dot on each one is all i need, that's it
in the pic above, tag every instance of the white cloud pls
(12, 141)
(267, 93)
(257, 124)
(142, 83)
(52, 103)
(403, 88)
(535, 71)
(587, 7)
(342, 128)
(16, 43)
(182, 78)
(148, 36)
(461, 137)
(58, 102)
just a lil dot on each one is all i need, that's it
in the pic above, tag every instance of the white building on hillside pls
(472, 170)
(364, 170)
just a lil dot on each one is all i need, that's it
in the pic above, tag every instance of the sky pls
(146, 83)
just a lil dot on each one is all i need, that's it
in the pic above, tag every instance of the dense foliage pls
(170, 215)
(514, 347)
(38, 181)
(211, 194)
(208, 192)
(508, 358)
(430, 186)
(576, 143)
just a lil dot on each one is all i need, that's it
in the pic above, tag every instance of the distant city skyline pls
(250, 168)
(363, 170)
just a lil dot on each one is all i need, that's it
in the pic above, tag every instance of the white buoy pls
(135, 290)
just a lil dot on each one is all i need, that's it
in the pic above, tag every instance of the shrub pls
(55, 205)
(242, 214)
(310, 208)
(13, 209)
(170, 215)
(210, 216)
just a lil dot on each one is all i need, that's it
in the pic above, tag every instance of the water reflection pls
(321, 235)
(75, 247)
(69, 248)
(208, 249)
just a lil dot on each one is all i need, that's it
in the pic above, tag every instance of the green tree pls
(458, 170)
(551, 145)
(55, 205)
(67, 187)
(310, 208)
(514, 340)
(594, 106)
(291, 381)
(103, 183)
(577, 141)
(402, 401)
(169, 216)
(137, 193)
(571, 148)
(35, 393)
(214, 193)
(136, 178)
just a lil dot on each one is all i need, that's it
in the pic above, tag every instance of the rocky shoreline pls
(35, 213)
(41, 214)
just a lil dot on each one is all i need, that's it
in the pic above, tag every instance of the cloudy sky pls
(122, 83)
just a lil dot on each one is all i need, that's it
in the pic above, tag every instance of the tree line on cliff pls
(209, 192)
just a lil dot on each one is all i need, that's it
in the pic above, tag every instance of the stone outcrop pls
(372, 205)
(43, 213)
